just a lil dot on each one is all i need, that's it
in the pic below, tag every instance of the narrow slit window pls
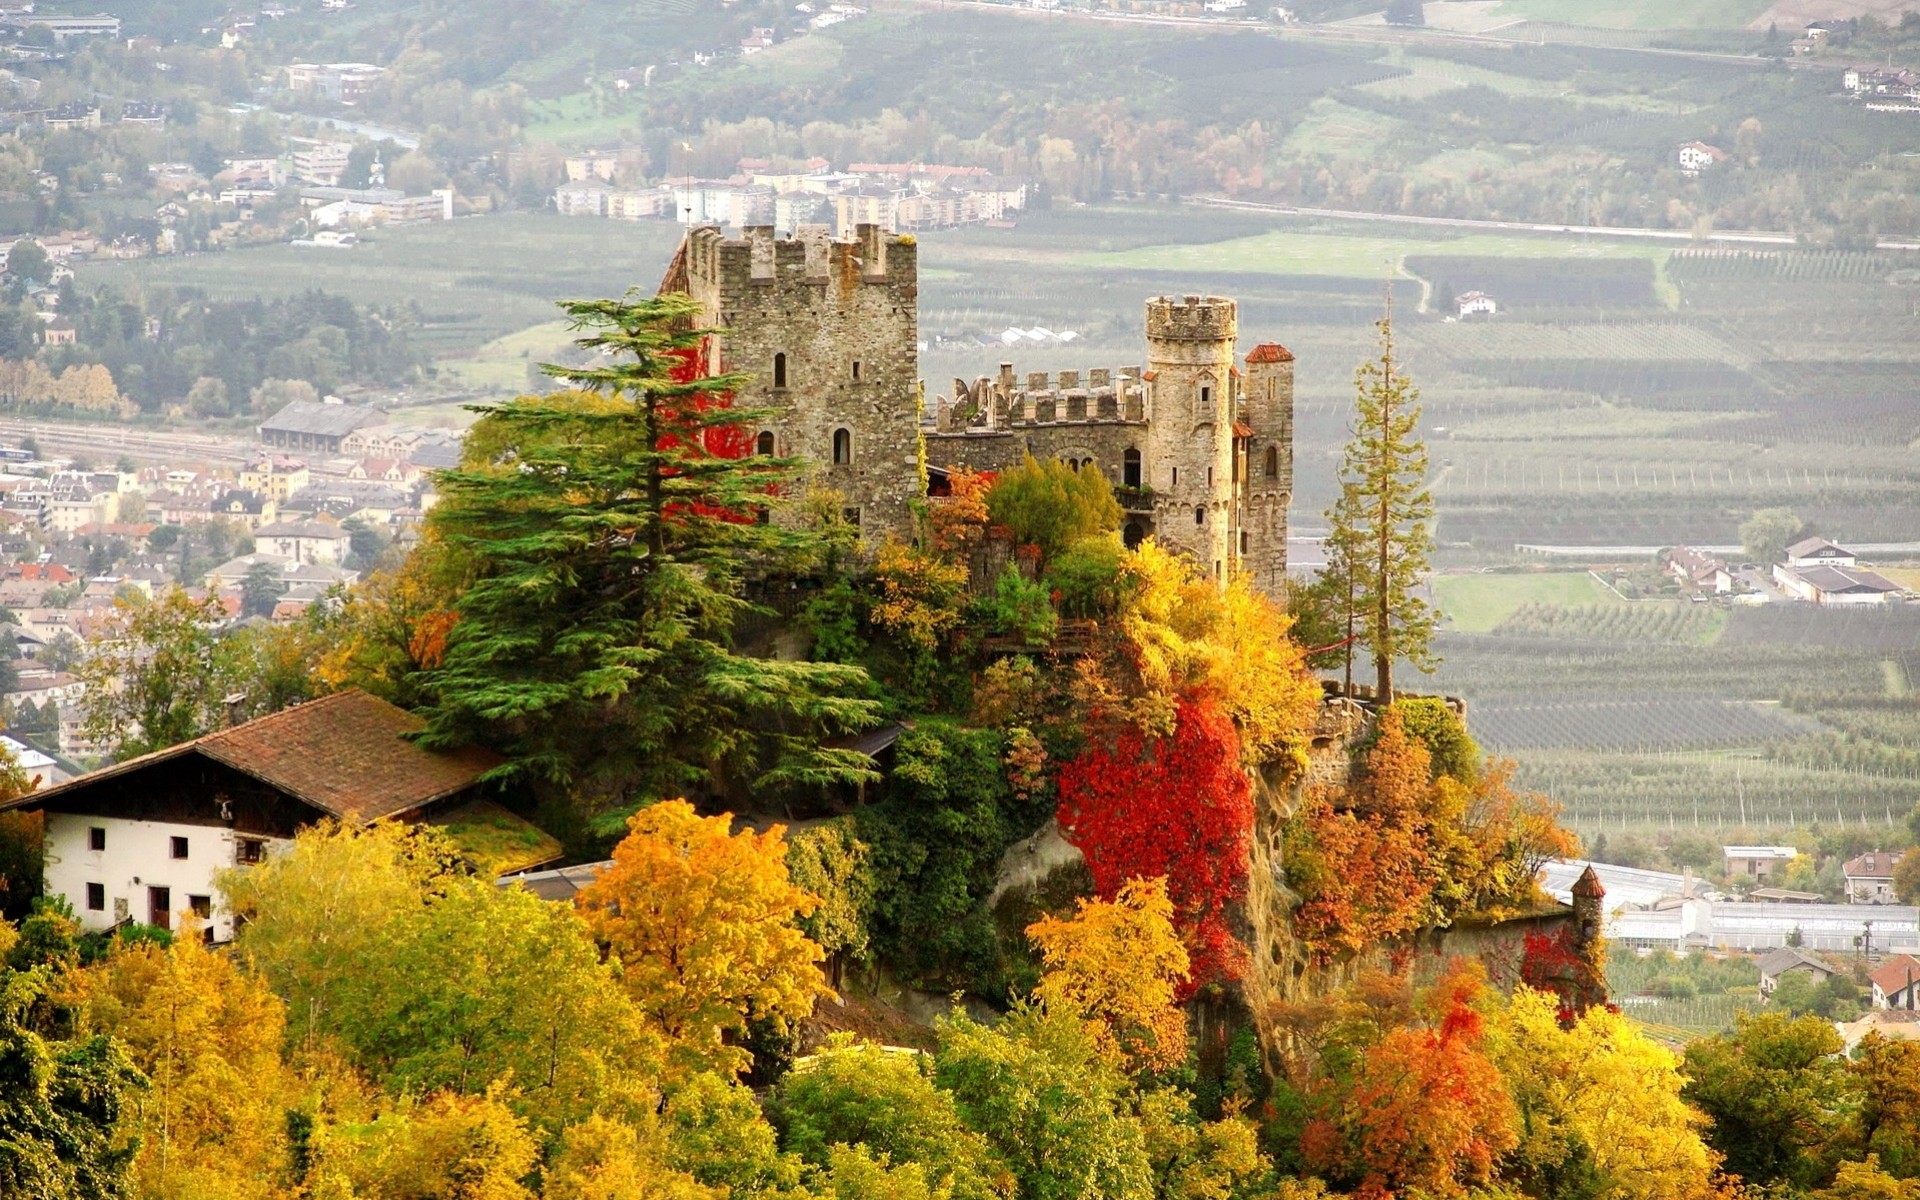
(842, 447)
(856, 370)
(1273, 462)
(780, 370)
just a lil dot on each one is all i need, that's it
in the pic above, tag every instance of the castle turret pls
(1268, 409)
(1191, 406)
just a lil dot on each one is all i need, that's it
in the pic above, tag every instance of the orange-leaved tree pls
(1119, 964)
(1423, 1109)
(702, 922)
(1360, 859)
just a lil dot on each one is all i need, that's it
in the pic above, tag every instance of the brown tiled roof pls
(1892, 976)
(346, 754)
(1874, 864)
(1588, 885)
(1269, 352)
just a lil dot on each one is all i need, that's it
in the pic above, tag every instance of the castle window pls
(1209, 476)
(1246, 541)
(1273, 462)
(842, 447)
(764, 443)
(851, 516)
(780, 370)
(1206, 397)
(1199, 516)
(1133, 535)
(856, 370)
(1176, 477)
(1130, 469)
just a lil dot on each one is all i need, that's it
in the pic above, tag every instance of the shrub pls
(1090, 577)
(1050, 505)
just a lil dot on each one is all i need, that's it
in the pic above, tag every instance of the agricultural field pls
(1478, 603)
(1639, 621)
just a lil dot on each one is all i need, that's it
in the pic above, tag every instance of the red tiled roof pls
(1269, 352)
(346, 754)
(1892, 976)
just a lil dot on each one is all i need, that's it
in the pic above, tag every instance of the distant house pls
(248, 508)
(306, 425)
(1870, 877)
(1834, 585)
(144, 840)
(1777, 964)
(1696, 157)
(1475, 304)
(1757, 862)
(1896, 983)
(303, 541)
(1698, 568)
(59, 332)
(1819, 552)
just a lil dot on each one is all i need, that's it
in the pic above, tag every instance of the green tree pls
(28, 261)
(1766, 535)
(162, 674)
(1048, 504)
(61, 1106)
(883, 1101)
(1055, 1111)
(260, 589)
(1777, 1094)
(606, 532)
(1381, 528)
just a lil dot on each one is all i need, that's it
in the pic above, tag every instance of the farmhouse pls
(1700, 569)
(1896, 983)
(1834, 585)
(1777, 964)
(143, 840)
(304, 541)
(1757, 862)
(1475, 304)
(1819, 552)
(1870, 877)
(1696, 157)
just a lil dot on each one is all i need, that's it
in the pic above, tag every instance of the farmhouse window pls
(179, 847)
(96, 838)
(96, 897)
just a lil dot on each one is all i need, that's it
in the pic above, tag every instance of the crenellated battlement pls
(759, 259)
(1007, 401)
(1192, 319)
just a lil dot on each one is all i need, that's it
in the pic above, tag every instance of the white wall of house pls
(139, 857)
(303, 549)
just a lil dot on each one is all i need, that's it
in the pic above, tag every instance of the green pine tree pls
(606, 535)
(1381, 529)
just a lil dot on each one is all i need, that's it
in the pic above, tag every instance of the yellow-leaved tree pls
(207, 1034)
(1187, 634)
(448, 1145)
(605, 1159)
(1118, 964)
(701, 921)
(1598, 1099)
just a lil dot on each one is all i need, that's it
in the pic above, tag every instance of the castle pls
(1199, 451)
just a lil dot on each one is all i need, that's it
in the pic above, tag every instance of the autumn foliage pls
(1119, 964)
(1422, 1109)
(1178, 806)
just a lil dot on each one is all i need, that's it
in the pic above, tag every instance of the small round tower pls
(1190, 412)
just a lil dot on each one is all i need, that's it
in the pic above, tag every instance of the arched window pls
(842, 447)
(1130, 469)
(764, 443)
(780, 370)
(1273, 462)
(1133, 535)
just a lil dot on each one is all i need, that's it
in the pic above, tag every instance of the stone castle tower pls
(1200, 455)
(1191, 448)
(828, 332)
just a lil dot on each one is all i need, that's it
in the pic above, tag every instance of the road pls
(103, 441)
(1740, 236)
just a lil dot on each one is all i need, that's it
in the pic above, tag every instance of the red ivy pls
(1557, 963)
(1178, 806)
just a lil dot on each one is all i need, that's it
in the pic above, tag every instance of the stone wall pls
(827, 332)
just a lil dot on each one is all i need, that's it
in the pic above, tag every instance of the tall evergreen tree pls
(606, 533)
(1381, 529)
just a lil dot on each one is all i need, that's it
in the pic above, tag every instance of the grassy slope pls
(1476, 603)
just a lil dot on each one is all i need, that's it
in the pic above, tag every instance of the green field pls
(1477, 603)
(1639, 14)
(1293, 252)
